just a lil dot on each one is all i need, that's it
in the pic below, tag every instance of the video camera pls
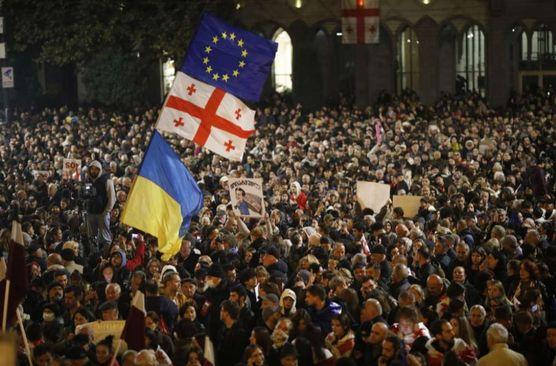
(86, 191)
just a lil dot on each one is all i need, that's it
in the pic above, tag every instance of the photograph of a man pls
(241, 205)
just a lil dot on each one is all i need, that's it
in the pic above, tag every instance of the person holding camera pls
(100, 204)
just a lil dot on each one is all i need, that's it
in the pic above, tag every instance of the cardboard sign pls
(409, 204)
(246, 196)
(372, 195)
(72, 169)
(8, 349)
(99, 330)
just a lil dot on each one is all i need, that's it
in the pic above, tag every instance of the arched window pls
(471, 63)
(524, 47)
(408, 60)
(542, 45)
(282, 67)
(168, 75)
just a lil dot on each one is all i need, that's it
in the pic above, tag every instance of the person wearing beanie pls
(217, 292)
(100, 205)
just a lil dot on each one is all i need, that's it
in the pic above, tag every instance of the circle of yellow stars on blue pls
(224, 36)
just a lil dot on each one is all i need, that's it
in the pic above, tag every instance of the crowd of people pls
(319, 280)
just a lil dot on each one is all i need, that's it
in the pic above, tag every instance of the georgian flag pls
(360, 21)
(208, 116)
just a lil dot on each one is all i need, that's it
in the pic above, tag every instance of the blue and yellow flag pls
(163, 198)
(229, 58)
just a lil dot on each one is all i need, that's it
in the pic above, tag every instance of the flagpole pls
(5, 312)
(24, 335)
(116, 352)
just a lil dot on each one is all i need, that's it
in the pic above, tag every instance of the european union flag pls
(229, 58)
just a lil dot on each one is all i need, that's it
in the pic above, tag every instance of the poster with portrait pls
(246, 196)
(72, 169)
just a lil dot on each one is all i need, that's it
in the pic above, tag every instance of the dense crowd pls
(319, 280)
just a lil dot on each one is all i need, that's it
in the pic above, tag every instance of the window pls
(524, 47)
(282, 67)
(471, 63)
(542, 45)
(168, 75)
(408, 60)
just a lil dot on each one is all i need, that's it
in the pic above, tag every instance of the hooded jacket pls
(105, 197)
(323, 317)
(288, 293)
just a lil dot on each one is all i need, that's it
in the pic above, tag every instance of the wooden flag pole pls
(116, 352)
(24, 335)
(6, 301)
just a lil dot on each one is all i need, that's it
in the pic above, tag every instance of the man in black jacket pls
(161, 305)
(272, 262)
(218, 292)
(232, 338)
(100, 205)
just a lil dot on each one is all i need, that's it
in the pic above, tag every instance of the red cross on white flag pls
(207, 116)
(360, 21)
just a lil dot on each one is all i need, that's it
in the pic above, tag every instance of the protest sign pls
(372, 195)
(246, 195)
(41, 174)
(99, 330)
(72, 169)
(409, 204)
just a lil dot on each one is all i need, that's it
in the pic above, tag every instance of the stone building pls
(431, 46)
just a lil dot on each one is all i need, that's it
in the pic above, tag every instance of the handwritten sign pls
(99, 330)
(72, 169)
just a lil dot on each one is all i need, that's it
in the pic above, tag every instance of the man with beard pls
(444, 341)
(100, 205)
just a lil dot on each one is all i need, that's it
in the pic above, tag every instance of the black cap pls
(455, 290)
(76, 353)
(215, 271)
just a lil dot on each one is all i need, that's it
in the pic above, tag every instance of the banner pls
(41, 174)
(409, 204)
(372, 195)
(246, 195)
(100, 329)
(72, 169)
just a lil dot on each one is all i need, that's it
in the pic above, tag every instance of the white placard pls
(72, 169)
(372, 195)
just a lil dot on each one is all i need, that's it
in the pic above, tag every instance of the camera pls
(87, 191)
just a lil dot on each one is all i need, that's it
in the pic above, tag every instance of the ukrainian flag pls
(163, 198)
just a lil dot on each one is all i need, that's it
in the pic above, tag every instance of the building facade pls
(430, 46)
